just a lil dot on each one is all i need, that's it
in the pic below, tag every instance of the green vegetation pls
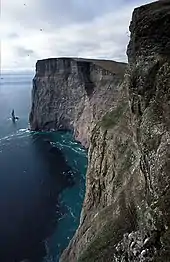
(110, 119)
(103, 241)
(103, 245)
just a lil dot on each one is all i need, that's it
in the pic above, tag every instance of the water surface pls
(42, 178)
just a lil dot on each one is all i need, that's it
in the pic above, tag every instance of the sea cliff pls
(126, 210)
(73, 94)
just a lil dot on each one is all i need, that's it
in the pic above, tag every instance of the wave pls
(19, 134)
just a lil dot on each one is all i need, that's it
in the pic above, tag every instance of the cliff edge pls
(126, 125)
(73, 94)
(126, 211)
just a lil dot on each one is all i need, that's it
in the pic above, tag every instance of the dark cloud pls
(76, 10)
(50, 28)
(23, 52)
(58, 13)
(50, 14)
(12, 35)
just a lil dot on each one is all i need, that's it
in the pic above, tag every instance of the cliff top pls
(154, 6)
(109, 65)
(150, 31)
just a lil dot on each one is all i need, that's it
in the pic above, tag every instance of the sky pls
(37, 29)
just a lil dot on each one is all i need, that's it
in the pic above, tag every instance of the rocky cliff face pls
(73, 94)
(126, 211)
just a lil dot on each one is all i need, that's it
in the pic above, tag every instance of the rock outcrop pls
(73, 94)
(126, 211)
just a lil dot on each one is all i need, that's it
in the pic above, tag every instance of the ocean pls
(42, 180)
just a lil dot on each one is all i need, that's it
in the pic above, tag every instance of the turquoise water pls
(76, 157)
(42, 181)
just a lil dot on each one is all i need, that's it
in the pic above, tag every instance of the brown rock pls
(73, 94)
(128, 179)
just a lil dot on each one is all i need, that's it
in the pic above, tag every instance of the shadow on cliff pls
(84, 71)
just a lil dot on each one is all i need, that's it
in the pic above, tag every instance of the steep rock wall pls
(73, 94)
(126, 211)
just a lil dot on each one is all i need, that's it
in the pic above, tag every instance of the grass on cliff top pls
(109, 65)
(111, 119)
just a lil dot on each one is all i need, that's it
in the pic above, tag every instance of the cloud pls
(39, 29)
(54, 12)
(23, 52)
(12, 35)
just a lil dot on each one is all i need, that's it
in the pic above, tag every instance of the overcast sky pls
(37, 29)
